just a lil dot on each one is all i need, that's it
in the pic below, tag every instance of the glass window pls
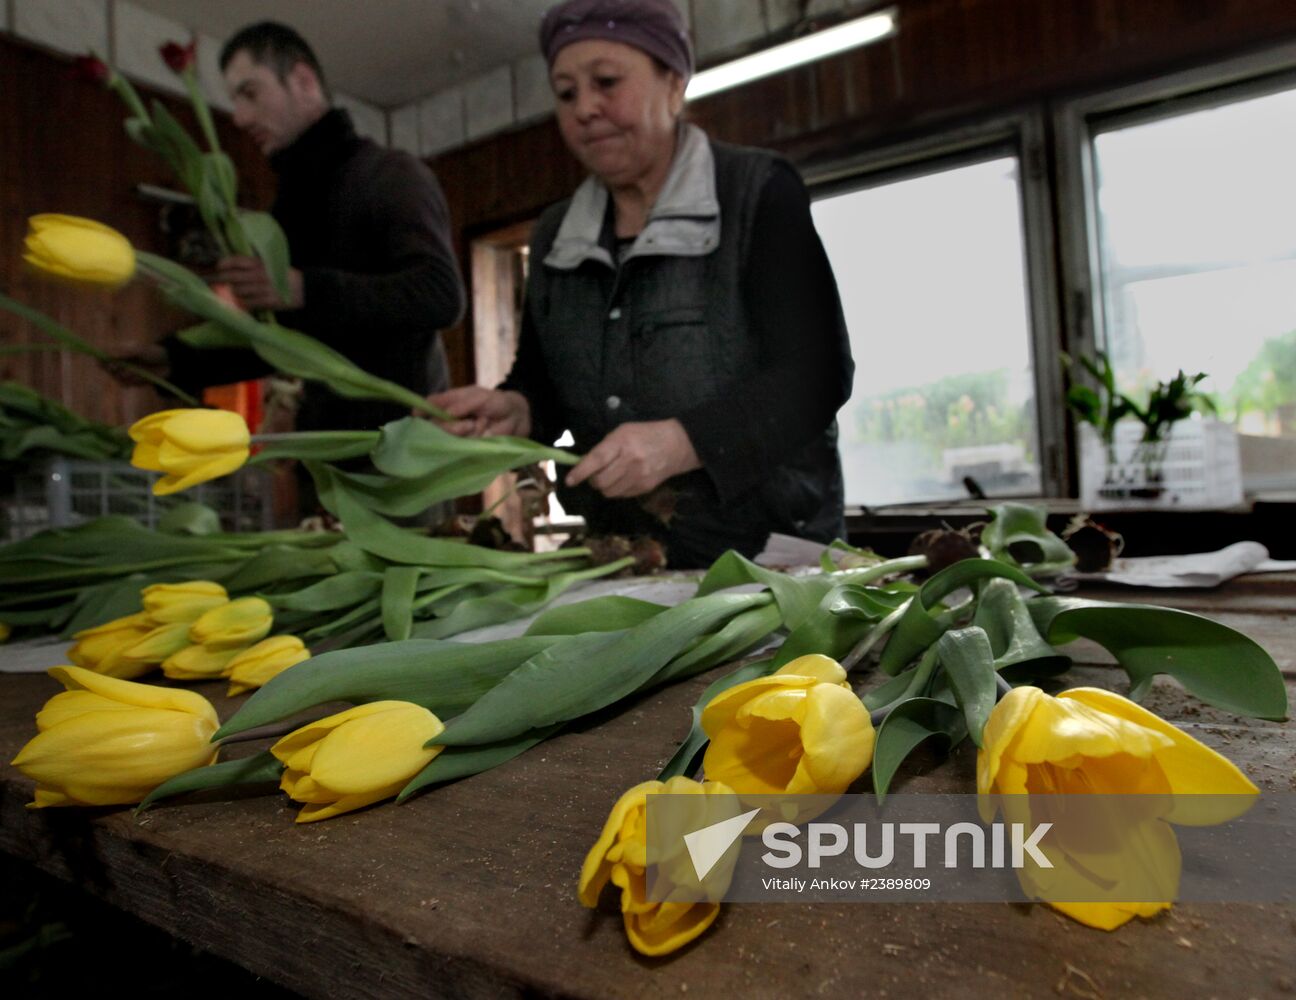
(932, 276)
(1196, 224)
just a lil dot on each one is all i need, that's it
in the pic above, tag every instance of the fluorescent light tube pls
(830, 41)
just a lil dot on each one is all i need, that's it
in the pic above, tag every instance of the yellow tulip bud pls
(79, 249)
(167, 603)
(101, 648)
(156, 645)
(253, 667)
(1091, 741)
(356, 758)
(234, 625)
(198, 663)
(620, 856)
(106, 741)
(189, 446)
(799, 731)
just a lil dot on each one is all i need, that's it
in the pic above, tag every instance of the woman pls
(681, 318)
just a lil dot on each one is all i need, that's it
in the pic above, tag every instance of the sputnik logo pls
(708, 845)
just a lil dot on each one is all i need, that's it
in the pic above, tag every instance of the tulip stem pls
(268, 731)
(872, 637)
(1001, 682)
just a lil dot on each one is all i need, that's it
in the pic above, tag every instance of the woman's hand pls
(481, 412)
(636, 458)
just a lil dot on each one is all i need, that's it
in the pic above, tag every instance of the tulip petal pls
(311, 812)
(69, 704)
(816, 665)
(1189, 766)
(838, 738)
(596, 870)
(381, 749)
(653, 938)
(143, 695)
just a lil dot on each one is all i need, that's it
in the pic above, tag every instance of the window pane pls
(1197, 237)
(932, 278)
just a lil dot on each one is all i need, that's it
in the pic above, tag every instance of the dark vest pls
(652, 339)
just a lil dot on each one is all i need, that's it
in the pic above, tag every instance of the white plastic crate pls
(69, 491)
(1199, 469)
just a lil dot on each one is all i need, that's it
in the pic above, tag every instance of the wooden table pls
(469, 890)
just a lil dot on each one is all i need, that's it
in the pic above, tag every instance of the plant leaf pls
(462, 762)
(918, 629)
(270, 244)
(1018, 535)
(908, 725)
(399, 586)
(255, 770)
(1219, 665)
(1019, 649)
(445, 677)
(583, 673)
(609, 613)
(969, 664)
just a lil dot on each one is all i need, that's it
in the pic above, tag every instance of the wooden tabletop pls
(470, 890)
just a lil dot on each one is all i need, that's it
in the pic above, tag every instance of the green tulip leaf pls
(908, 725)
(1020, 651)
(344, 590)
(918, 628)
(583, 673)
(610, 613)
(684, 762)
(453, 763)
(399, 586)
(276, 563)
(737, 637)
(445, 677)
(890, 690)
(411, 448)
(1018, 535)
(1219, 665)
(189, 518)
(270, 244)
(513, 602)
(255, 770)
(969, 664)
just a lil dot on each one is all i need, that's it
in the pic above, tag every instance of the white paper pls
(1198, 569)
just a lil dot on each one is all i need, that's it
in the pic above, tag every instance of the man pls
(373, 272)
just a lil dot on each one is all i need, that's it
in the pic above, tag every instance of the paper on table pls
(1199, 569)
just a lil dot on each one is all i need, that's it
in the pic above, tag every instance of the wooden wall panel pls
(63, 149)
(952, 60)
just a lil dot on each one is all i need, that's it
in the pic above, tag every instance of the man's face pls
(272, 111)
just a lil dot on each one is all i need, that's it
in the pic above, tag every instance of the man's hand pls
(481, 412)
(248, 279)
(636, 458)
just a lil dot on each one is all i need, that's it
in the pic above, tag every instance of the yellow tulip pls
(254, 666)
(198, 663)
(234, 625)
(799, 731)
(106, 741)
(356, 758)
(167, 603)
(102, 648)
(1089, 741)
(79, 249)
(620, 856)
(189, 446)
(154, 647)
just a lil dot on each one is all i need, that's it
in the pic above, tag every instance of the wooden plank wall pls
(951, 60)
(63, 149)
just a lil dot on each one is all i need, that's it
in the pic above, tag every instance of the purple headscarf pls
(652, 26)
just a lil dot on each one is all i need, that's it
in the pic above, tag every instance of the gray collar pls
(684, 221)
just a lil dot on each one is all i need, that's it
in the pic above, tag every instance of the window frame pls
(1022, 134)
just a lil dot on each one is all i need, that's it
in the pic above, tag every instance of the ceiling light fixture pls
(861, 31)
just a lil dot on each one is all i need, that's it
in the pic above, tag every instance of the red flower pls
(179, 57)
(91, 69)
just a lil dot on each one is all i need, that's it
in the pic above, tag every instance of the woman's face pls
(616, 108)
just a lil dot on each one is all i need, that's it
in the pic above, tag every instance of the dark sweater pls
(369, 230)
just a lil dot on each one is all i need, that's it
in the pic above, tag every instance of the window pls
(932, 268)
(1195, 232)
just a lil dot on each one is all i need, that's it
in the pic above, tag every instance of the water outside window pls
(1197, 238)
(932, 276)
